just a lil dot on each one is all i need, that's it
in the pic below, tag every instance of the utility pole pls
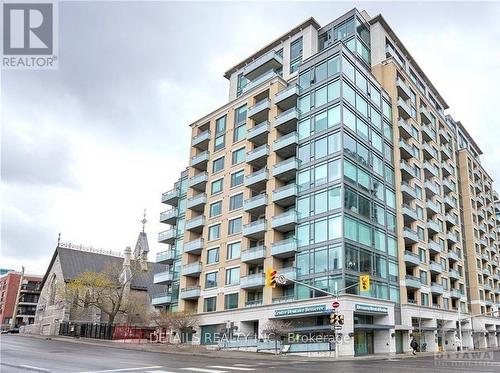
(459, 329)
(14, 311)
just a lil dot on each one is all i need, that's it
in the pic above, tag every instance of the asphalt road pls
(25, 354)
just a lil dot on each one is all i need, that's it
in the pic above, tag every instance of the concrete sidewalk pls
(233, 354)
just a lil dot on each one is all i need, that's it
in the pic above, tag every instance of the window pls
(320, 72)
(231, 301)
(423, 277)
(234, 226)
(220, 125)
(240, 117)
(220, 142)
(233, 250)
(218, 165)
(211, 280)
(237, 178)
(236, 202)
(210, 304)
(238, 156)
(213, 256)
(320, 97)
(295, 55)
(215, 208)
(242, 83)
(216, 186)
(233, 276)
(214, 232)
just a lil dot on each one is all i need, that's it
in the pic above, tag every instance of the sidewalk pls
(202, 351)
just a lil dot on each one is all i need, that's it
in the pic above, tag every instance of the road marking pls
(34, 368)
(121, 370)
(230, 368)
(205, 370)
(159, 371)
(244, 365)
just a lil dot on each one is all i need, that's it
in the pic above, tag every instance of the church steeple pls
(142, 246)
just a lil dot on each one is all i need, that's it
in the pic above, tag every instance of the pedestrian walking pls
(414, 346)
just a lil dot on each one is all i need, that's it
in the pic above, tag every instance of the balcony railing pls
(284, 248)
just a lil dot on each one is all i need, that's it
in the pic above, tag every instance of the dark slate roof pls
(75, 262)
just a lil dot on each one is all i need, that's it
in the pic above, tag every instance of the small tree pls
(178, 322)
(276, 330)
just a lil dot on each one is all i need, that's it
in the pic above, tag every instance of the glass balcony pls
(258, 156)
(287, 98)
(412, 282)
(167, 236)
(192, 269)
(171, 197)
(404, 109)
(163, 278)
(487, 287)
(407, 170)
(410, 236)
(259, 80)
(437, 288)
(194, 247)
(256, 205)
(253, 303)
(196, 224)
(488, 302)
(486, 272)
(408, 191)
(453, 256)
(435, 267)
(445, 152)
(200, 161)
(169, 216)
(161, 299)
(201, 141)
(445, 137)
(454, 274)
(255, 229)
(448, 186)
(192, 292)
(428, 133)
(199, 181)
(405, 128)
(425, 115)
(409, 214)
(257, 180)
(253, 254)
(406, 149)
(403, 89)
(286, 121)
(286, 195)
(256, 280)
(286, 170)
(451, 219)
(452, 237)
(285, 222)
(258, 111)
(412, 259)
(165, 257)
(429, 152)
(434, 247)
(431, 188)
(433, 227)
(430, 170)
(268, 61)
(258, 134)
(432, 208)
(197, 202)
(289, 272)
(456, 293)
(286, 146)
(449, 203)
(447, 169)
(285, 248)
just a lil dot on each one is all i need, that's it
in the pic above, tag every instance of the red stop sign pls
(335, 304)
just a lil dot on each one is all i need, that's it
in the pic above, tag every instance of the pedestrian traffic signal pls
(333, 318)
(340, 319)
(364, 283)
(271, 277)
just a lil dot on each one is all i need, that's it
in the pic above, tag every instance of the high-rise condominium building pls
(333, 158)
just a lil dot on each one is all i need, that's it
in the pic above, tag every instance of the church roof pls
(75, 262)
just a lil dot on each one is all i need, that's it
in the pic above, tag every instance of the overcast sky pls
(87, 147)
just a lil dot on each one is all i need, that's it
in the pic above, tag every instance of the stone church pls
(69, 261)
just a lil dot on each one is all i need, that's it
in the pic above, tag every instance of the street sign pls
(281, 280)
(335, 304)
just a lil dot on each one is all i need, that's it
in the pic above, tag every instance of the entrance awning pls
(373, 327)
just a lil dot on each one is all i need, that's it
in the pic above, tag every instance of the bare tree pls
(275, 330)
(175, 322)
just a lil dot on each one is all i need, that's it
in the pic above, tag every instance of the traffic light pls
(340, 320)
(364, 283)
(271, 277)
(333, 318)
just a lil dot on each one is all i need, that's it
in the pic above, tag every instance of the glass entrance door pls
(363, 343)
